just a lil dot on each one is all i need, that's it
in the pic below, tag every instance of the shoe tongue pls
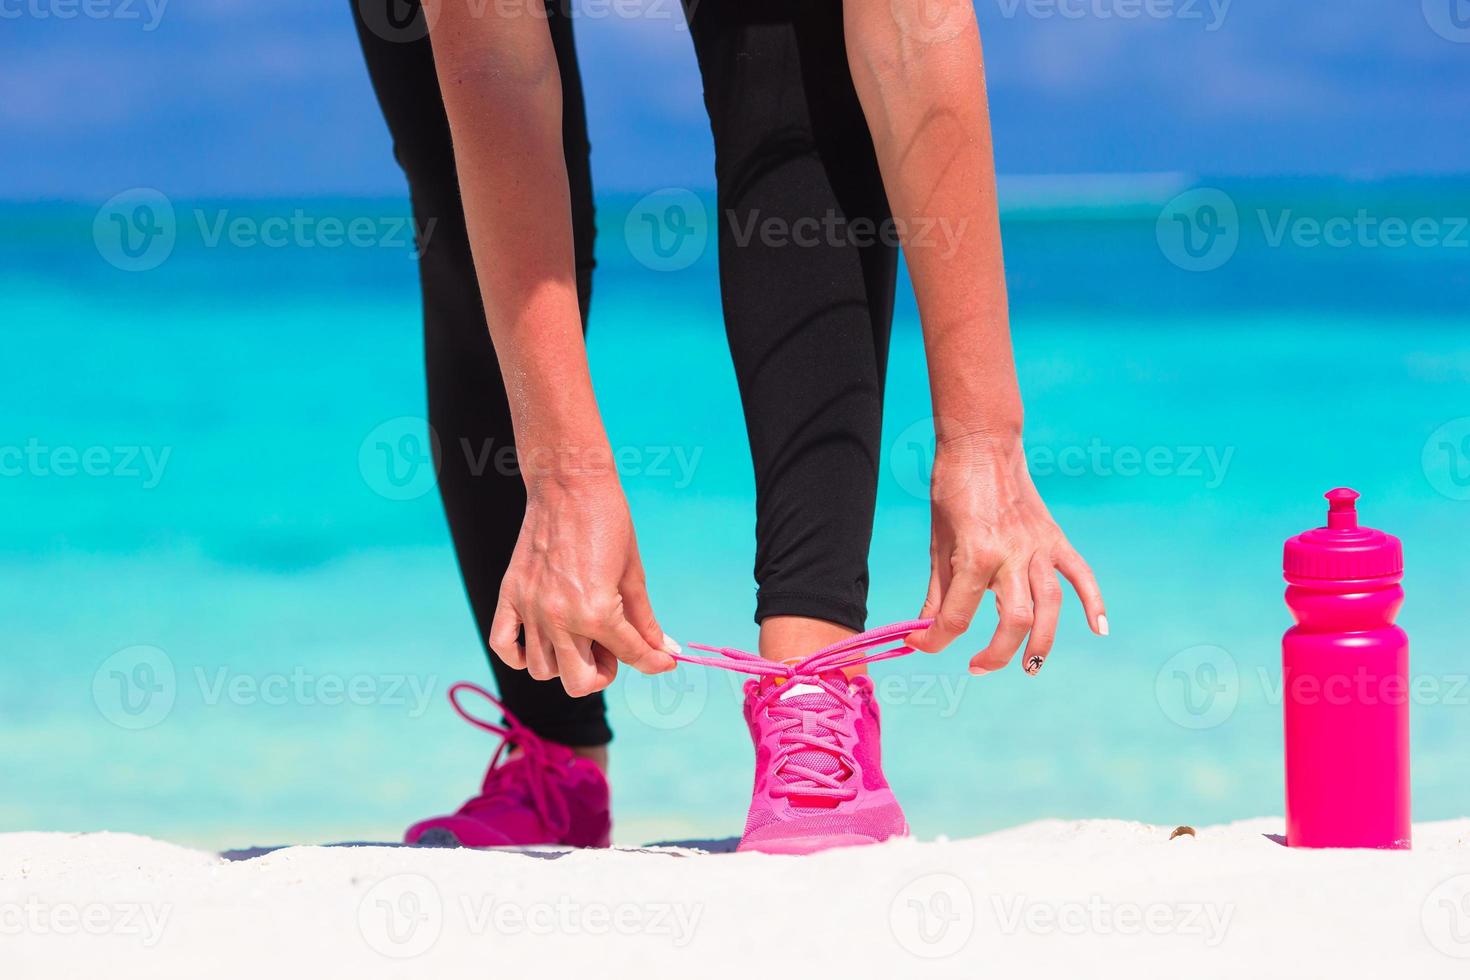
(813, 697)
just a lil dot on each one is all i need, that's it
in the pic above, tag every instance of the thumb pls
(639, 611)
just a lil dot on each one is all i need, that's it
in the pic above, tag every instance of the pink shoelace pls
(546, 794)
(810, 728)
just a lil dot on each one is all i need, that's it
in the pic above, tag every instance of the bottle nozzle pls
(1342, 510)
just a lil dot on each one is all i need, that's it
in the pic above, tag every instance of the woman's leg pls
(808, 281)
(483, 501)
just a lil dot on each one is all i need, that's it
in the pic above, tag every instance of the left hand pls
(992, 532)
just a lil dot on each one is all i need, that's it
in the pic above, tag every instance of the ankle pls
(785, 638)
(596, 753)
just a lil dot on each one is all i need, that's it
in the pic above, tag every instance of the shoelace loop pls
(825, 732)
(547, 797)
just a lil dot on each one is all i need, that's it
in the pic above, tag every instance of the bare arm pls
(575, 583)
(919, 73)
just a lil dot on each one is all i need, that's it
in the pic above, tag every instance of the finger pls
(606, 664)
(540, 656)
(1046, 593)
(505, 634)
(639, 610)
(956, 609)
(629, 647)
(575, 665)
(1076, 570)
(1012, 590)
(930, 608)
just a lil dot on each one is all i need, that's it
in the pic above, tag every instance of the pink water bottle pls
(1345, 674)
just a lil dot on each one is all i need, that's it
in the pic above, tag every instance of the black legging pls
(807, 324)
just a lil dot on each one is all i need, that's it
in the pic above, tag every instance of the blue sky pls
(239, 97)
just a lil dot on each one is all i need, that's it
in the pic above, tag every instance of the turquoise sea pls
(231, 610)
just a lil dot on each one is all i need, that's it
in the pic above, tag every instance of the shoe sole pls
(439, 837)
(808, 845)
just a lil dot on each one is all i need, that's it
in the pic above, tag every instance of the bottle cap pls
(1342, 550)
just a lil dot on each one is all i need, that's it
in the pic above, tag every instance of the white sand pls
(1050, 899)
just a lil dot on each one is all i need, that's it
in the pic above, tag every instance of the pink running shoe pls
(818, 771)
(545, 795)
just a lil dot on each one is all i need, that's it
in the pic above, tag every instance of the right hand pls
(575, 585)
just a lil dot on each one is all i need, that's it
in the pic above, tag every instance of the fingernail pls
(977, 671)
(1033, 664)
(1102, 626)
(671, 646)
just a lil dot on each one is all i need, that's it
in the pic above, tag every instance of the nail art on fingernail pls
(1033, 664)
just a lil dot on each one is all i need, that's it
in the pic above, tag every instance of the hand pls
(992, 532)
(575, 585)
